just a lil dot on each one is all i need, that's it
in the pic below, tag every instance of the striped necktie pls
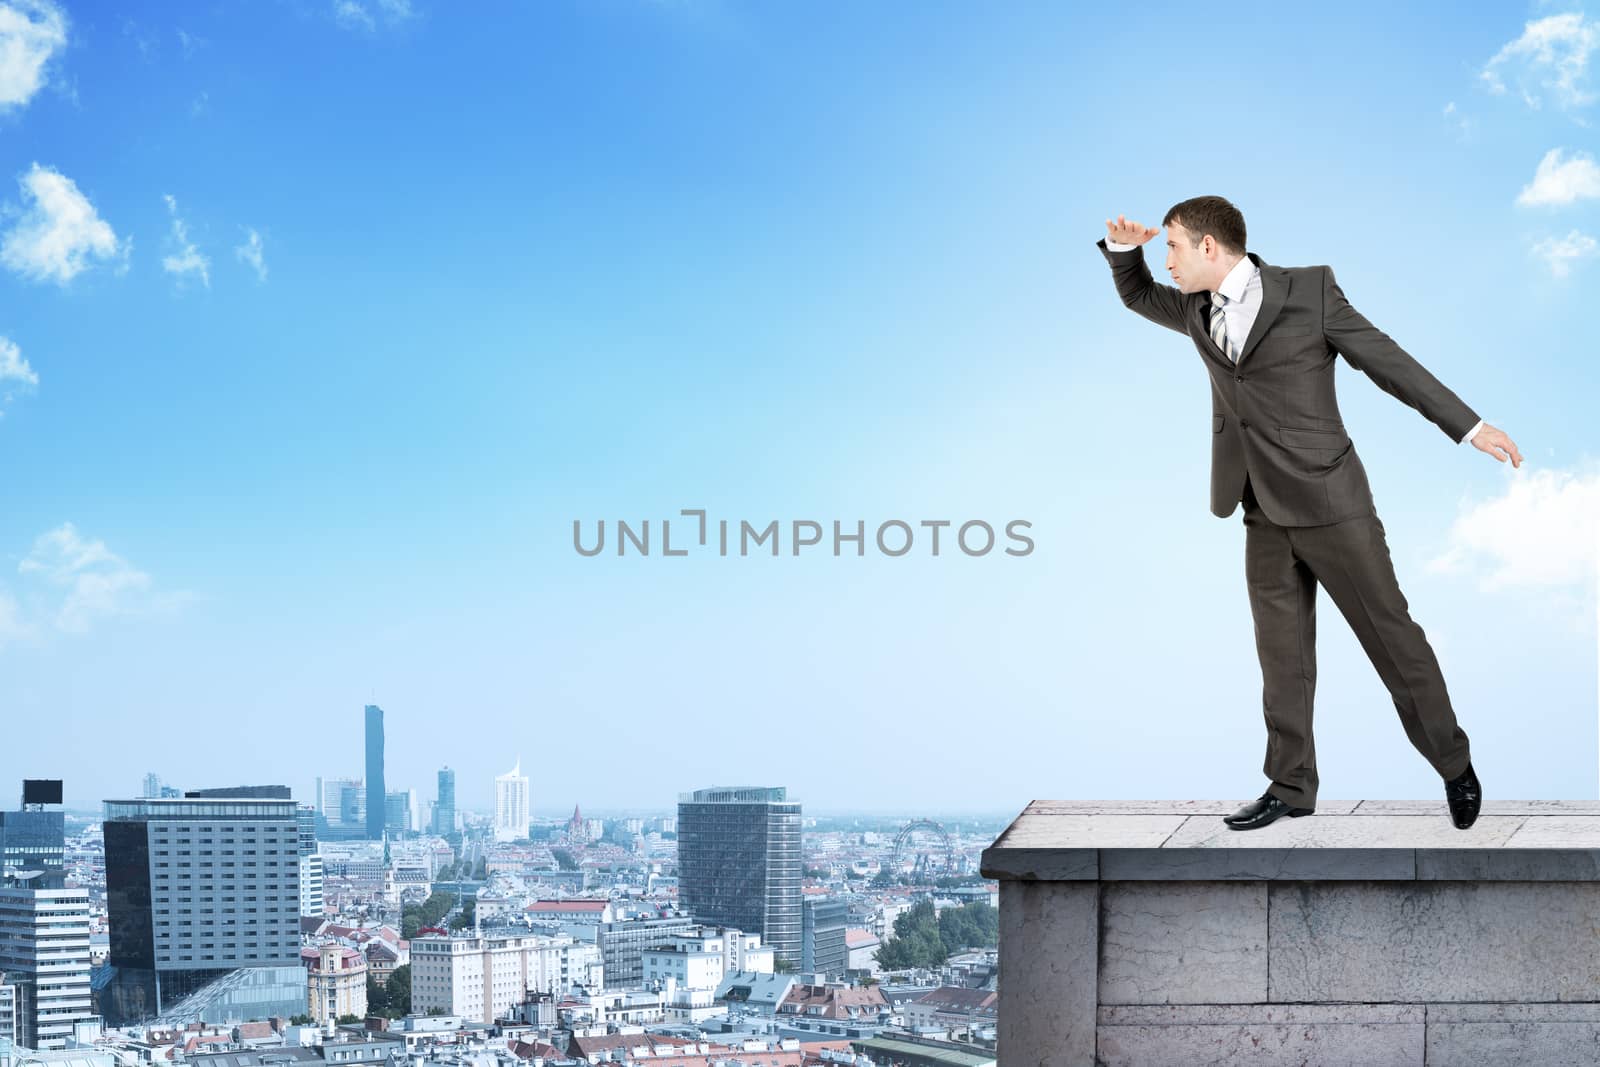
(1219, 327)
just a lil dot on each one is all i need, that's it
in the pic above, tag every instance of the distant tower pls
(576, 831)
(511, 805)
(377, 807)
(444, 812)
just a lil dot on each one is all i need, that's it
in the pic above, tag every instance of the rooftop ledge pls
(1358, 840)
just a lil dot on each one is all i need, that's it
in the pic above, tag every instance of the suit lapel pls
(1274, 289)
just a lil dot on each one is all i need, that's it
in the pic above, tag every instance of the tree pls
(398, 989)
(564, 859)
(346, 1019)
(480, 873)
(916, 941)
(415, 916)
(975, 925)
(377, 997)
(300, 1020)
(468, 916)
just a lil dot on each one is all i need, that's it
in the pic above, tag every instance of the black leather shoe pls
(1464, 796)
(1262, 811)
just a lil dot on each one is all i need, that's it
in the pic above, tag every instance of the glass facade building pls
(739, 863)
(377, 807)
(198, 888)
(444, 812)
(33, 840)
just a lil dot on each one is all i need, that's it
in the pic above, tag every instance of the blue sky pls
(323, 321)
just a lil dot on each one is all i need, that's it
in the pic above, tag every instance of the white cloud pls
(1542, 533)
(68, 582)
(190, 43)
(251, 252)
(366, 14)
(1559, 253)
(186, 259)
(94, 582)
(1560, 180)
(1553, 53)
(59, 231)
(13, 368)
(351, 14)
(31, 31)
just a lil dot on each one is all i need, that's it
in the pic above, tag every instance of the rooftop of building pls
(956, 998)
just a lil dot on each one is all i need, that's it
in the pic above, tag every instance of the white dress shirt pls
(1242, 288)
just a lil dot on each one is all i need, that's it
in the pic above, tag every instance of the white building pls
(44, 953)
(511, 805)
(311, 902)
(699, 958)
(481, 978)
(8, 1011)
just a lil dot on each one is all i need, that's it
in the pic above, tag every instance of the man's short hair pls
(1201, 215)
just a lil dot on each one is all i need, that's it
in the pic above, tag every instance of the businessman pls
(1267, 336)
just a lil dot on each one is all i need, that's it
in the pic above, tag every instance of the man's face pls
(1190, 267)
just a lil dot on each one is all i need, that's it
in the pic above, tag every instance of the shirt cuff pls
(1118, 246)
(1470, 433)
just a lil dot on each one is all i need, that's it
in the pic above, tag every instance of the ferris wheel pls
(923, 850)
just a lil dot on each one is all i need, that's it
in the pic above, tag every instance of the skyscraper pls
(44, 926)
(444, 813)
(739, 862)
(203, 897)
(377, 808)
(511, 805)
(400, 811)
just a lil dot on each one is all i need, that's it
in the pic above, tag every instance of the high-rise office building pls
(822, 941)
(204, 901)
(444, 812)
(400, 808)
(377, 807)
(341, 809)
(511, 805)
(739, 863)
(44, 926)
(152, 784)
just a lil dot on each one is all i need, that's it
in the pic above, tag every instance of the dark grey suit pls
(1278, 444)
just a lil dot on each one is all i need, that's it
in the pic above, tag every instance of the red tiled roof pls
(569, 905)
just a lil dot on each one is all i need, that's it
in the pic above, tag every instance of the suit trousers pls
(1283, 566)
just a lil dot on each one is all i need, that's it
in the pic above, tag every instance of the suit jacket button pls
(1238, 377)
(1244, 424)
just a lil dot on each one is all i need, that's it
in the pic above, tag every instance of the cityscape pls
(240, 925)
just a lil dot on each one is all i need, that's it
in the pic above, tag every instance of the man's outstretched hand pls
(1134, 233)
(1493, 441)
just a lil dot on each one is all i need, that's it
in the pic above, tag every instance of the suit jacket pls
(1274, 416)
